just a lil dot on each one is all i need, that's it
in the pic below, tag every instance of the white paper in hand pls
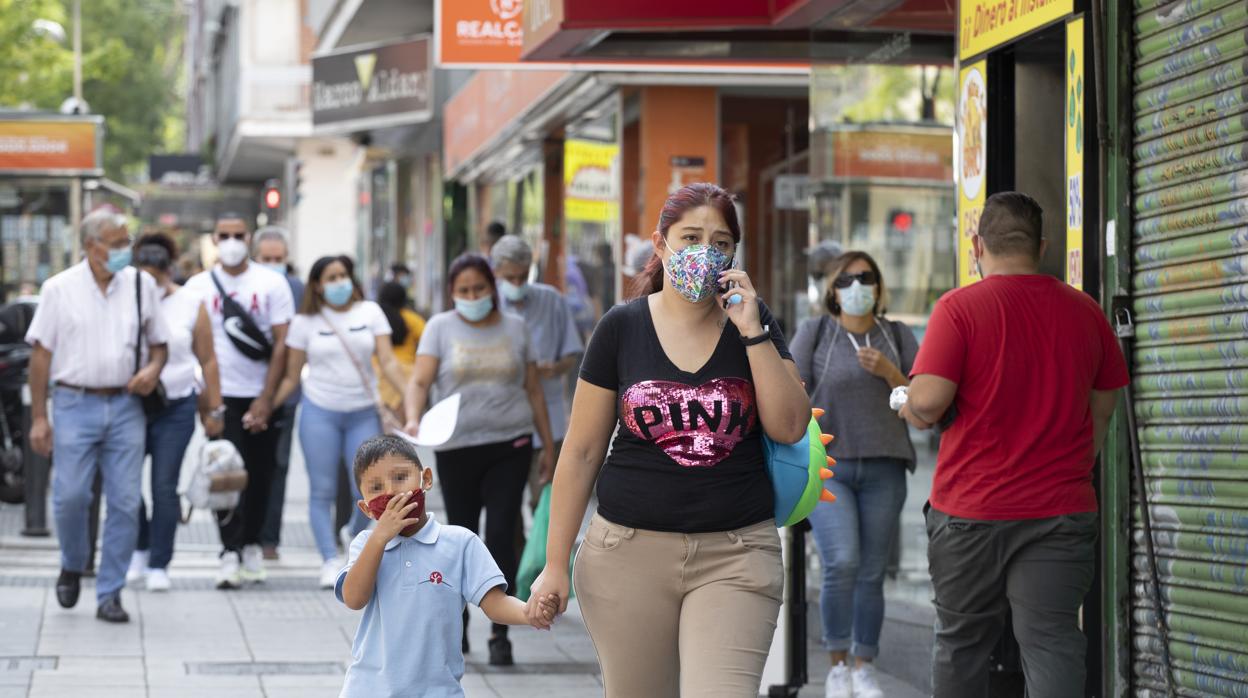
(438, 424)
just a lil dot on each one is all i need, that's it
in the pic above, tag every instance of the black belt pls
(106, 392)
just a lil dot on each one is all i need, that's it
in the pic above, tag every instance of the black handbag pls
(156, 401)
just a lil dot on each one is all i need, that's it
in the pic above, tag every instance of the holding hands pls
(549, 597)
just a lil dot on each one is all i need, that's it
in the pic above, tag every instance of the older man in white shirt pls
(84, 335)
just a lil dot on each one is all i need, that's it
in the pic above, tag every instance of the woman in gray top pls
(850, 361)
(483, 354)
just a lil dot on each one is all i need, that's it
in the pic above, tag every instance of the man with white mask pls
(251, 307)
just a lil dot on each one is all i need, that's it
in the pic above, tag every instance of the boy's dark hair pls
(379, 447)
(1011, 224)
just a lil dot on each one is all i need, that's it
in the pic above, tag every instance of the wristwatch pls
(217, 412)
(751, 341)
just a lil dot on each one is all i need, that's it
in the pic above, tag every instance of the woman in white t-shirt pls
(170, 431)
(339, 406)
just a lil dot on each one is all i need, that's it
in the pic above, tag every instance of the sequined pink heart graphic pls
(695, 426)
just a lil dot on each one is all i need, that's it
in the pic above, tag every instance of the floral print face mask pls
(694, 271)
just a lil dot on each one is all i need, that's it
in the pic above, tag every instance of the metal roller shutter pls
(1190, 242)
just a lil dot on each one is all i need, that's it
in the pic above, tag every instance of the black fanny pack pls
(244, 333)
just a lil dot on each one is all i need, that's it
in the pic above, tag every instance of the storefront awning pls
(557, 30)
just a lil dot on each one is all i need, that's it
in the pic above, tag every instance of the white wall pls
(325, 218)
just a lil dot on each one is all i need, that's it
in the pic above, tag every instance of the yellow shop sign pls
(986, 24)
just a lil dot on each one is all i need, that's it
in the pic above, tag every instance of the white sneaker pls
(329, 573)
(253, 564)
(138, 563)
(865, 684)
(229, 577)
(157, 579)
(838, 685)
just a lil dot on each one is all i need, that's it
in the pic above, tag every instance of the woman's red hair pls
(687, 198)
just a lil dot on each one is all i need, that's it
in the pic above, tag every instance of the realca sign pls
(371, 87)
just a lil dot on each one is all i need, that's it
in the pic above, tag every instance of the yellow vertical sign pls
(972, 162)
(1074, 118)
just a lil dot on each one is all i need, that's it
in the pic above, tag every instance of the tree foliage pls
(867, 93)
(132, 61)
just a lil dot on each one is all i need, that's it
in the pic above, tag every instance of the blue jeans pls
(855, 536)
(168, 435)
(90, 434)
(330, 440)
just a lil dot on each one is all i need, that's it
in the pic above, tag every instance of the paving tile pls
(165, 673)
(91, 672)
(182, 691)
(310, 681)
(77, 632)
(548, 686)
(14, 691)
(21, 615)
(475, 686)
(45, 690)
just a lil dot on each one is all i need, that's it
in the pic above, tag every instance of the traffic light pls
(900, 221)
(271, 199)
(297, 190)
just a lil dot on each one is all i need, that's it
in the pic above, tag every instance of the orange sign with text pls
(474, 32)
(893, 154)
(29, 146)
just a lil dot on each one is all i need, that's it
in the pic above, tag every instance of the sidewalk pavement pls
(283, 638)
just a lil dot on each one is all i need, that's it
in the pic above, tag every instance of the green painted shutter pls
(1190, 243)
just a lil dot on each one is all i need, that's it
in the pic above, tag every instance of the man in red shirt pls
(1031, 370)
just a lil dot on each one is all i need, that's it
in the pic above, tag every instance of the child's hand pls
(394, 518)
(548, 608)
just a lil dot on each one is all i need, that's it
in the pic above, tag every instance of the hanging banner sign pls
(972, 162)
(986, 24)
(590, 181)
(1074, 115)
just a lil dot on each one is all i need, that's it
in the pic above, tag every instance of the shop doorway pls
(1027, 141)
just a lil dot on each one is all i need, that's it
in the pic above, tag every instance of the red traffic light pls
(272, 198)
(902, 221)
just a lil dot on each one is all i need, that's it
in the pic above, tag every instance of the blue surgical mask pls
(857, 300)
(511, 291)
(118, 259)
(339, 292)
(278, 267)
(474, 310)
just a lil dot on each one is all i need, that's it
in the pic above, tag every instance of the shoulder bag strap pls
(138, 304)
(369, 386)
(895, 326)
(823, 326)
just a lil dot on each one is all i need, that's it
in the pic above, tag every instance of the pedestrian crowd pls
(678, 575)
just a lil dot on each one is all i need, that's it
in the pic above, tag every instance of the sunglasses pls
(235, 236)
(866, 278)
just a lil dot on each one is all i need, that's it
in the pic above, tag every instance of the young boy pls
(413, 577)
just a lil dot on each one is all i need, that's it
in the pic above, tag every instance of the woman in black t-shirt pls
(679, 577)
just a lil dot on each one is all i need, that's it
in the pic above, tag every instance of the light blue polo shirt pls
(408, 642)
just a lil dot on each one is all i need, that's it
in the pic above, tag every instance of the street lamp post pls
(74, 105)
(75, 187)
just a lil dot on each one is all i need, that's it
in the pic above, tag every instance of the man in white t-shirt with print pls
(251, 351)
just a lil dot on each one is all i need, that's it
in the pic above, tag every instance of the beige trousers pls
(680, 615)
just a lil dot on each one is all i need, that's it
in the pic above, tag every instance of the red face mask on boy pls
(377, 506)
